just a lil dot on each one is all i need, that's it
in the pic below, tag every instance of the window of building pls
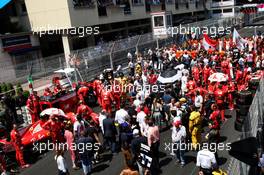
(147, 6)
(169, 1)
(118, 25)
(196, 4)
(83, 3)
(176, 4)
(137, 2)
(102, 11)
(187, 5)
(227, 10)
(127, 9)
(217, 11)
(169, 21)
(158, 21)
(163, 5)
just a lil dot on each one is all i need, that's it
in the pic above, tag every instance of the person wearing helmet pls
(178, 139)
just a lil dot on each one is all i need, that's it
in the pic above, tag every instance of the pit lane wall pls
(253, 127)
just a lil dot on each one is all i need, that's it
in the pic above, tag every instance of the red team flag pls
(208, 42)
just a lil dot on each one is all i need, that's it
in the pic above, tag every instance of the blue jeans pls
(180, 153)
(87, 166)
(111, 142)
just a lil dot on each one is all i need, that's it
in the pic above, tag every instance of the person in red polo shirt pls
(206, 74)
(220, 98)
(83, 93)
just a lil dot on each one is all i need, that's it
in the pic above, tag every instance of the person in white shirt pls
(141, 118)
(61, 163)
(78, 126)
(137, 102)
(101, 117)
(198, 101)
(205, 161)
(121, 115)
(178, 109)
(129, 56)
(178, 139)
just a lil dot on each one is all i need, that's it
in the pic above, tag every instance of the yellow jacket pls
(219, 172)
(194, 120)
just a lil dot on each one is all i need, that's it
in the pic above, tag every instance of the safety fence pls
(93, 60)
(253, 127)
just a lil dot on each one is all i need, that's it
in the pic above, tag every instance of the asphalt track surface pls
(112, 165)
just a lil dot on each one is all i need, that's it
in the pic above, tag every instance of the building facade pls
(114, 19)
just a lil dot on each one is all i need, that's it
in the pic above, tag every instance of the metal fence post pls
(157, 40)
(138, 43)
(111, 58)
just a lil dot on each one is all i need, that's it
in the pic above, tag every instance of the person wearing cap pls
(178, 138)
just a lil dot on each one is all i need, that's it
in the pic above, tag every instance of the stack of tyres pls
(243, 102)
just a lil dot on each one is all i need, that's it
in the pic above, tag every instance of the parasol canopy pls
(218, 77)
(52, 111)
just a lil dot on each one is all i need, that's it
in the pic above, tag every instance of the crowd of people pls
(137, 107)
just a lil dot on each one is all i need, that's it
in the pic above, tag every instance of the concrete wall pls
(6, 66)
(48, 14)
(61, 13)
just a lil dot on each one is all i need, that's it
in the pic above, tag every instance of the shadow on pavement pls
(165, 161)
(221, 161)
(100, 167)
(189, 159)
(222, 139)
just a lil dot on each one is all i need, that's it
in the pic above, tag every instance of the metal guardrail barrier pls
(253, 126)
(95, 59)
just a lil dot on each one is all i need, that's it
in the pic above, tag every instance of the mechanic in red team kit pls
(17, 143)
